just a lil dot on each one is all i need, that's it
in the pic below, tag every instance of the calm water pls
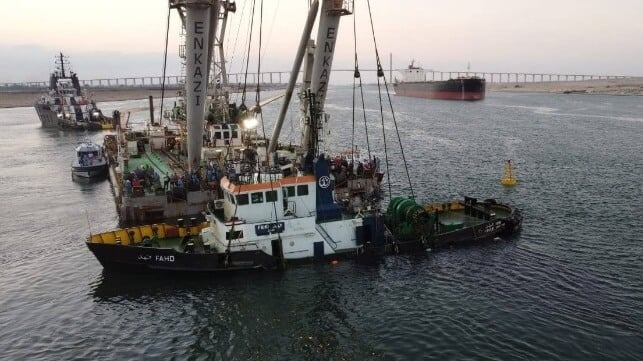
(569, 287)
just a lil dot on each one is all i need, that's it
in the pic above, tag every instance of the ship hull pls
(48, 118)
(146, 259)
(90, 171)
(139, 258)
(452, 89)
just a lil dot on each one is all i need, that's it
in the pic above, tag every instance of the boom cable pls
(167, 33)
(380, 73)
(245, 79)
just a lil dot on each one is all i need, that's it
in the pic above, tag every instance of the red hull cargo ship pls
(413, 84)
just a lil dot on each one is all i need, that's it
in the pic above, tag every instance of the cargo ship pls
(414, 84)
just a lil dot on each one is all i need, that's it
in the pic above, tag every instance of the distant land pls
(626, 86)
(28, 98)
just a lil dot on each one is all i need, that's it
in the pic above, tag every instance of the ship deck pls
(459, 217)
(161, 163)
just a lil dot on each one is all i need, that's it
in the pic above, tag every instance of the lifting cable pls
(356, 75)
(167, 32)
(258, 91)
(263, 129)
(245, 79)
(234, 46)
(380, 73)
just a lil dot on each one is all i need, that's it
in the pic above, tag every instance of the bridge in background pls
(281, 78)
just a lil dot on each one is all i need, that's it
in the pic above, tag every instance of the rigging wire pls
(245, 79)
(258, 91)
(380, 73)
(167, 34)
(257, 96)
(361, 89)
(355, 75)
(236, 40)
(272, 25)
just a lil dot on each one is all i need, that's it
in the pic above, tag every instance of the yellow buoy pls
(508, 176)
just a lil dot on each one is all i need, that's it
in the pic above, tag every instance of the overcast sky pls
(119, 38)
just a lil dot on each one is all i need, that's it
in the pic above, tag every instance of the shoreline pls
(28, 98)
(619, 87)
(627, 86)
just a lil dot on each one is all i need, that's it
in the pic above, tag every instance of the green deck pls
(158, 162)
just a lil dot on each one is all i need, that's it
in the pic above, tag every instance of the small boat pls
(508, 175)
(89, 162)
(64, 106)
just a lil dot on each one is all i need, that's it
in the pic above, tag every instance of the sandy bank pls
(629, 86)
(29, 98)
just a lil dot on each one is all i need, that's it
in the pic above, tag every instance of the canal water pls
(568, 287)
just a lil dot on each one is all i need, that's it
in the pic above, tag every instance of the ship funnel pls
(197, 28)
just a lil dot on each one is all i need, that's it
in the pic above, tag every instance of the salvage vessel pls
(64, 106)
(279, 207)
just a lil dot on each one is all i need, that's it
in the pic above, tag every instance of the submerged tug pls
(450, 223)
(272, 213)
(240, 244)
(168, 247)
(274, 219)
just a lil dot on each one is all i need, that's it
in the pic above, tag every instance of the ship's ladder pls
(326, 236)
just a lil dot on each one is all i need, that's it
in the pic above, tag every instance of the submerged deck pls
(453, 215)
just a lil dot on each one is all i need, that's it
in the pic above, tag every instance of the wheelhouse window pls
(257, 197)
(242, 199)
(302, 190)
(233, 235)
(289, 191)
(271, 196)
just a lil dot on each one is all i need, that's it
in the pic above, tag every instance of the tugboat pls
(90, 163)
(274, 210)
(65, 107)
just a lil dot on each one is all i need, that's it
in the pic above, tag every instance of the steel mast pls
(198, 42)
(331, 11)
